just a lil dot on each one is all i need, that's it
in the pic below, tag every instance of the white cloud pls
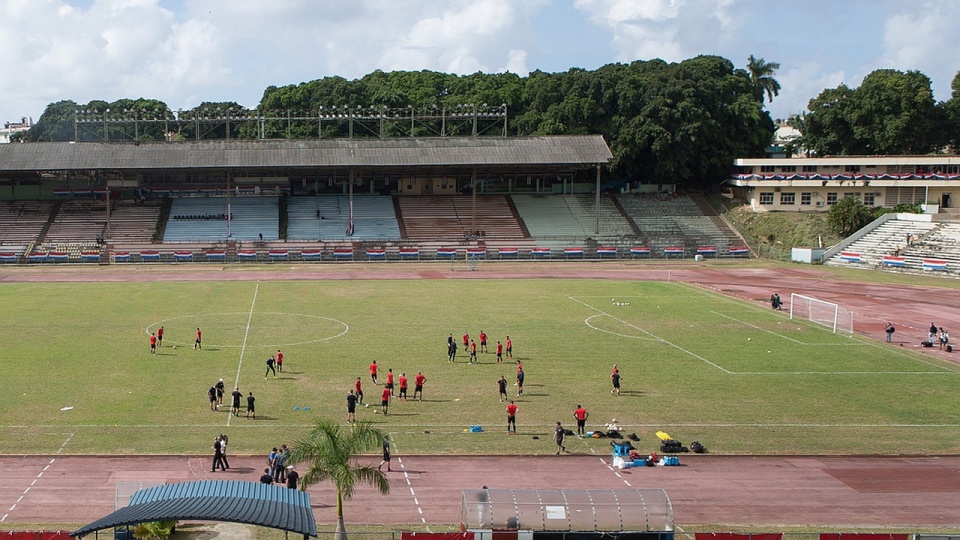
(516, 63)
(924, 40)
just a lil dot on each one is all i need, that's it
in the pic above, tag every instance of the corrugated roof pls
(572, 150)
(251, 503)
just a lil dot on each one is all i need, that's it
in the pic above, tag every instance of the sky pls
(184, 52)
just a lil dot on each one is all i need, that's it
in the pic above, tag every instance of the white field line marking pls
(243, 346)
(598, 329)
(859, 343)
(660, 339)
(22, 495)
(416, 501)
(345, 329)
(457, 429)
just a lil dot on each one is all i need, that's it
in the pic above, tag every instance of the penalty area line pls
(658, 338)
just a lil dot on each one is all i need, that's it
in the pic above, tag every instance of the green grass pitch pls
(738, 377)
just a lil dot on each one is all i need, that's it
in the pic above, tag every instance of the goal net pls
(828, 314)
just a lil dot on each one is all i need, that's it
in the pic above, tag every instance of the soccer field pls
(78, 376)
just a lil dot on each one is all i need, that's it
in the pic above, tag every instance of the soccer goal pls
(468, 262)
(828, 314)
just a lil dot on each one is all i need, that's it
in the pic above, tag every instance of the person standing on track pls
(581, 415)
(386, 456)
(198, 343)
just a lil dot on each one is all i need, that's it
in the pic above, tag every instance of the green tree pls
(849, 215)
(952, 114)
(55, 124)
(329, 450)
(892, 112)
(761, 77)
(154, 530)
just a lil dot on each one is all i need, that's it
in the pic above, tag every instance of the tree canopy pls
(665, 122)
(892, 112)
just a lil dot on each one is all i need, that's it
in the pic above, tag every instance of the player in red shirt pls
(418, 386)
(581, 415)
(389, 385)
(483, 342)
(403, 386)
(373, 372)
(153, 344)
(499, 352)
(279, 361)
(385, 400)
(466, 340)
(473, 352)
(358, 391)
(509, 348)
(160, 337)
(512, 418)
(196, 343)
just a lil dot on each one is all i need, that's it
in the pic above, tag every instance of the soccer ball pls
(376, 411)
(174, 346)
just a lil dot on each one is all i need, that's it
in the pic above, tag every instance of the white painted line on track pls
(27, 490)
(416, 500)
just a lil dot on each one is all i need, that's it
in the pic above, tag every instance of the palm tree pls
(761, 77)
(329, 450)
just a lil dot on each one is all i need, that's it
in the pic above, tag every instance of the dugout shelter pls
(563, 514)
(250, 503)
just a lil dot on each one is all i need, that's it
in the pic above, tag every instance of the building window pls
(766, 198)
(832, 198)
(767, 168)
(869, 199)
(788, 198)
(851, 168)
(809, 168)
(788, 168)
(805, 199)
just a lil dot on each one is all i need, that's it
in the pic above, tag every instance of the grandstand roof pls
(234, 501)
(570, 151)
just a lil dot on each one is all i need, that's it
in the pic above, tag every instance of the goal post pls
(829, 314)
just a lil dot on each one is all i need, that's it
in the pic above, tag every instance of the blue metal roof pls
(251, 503)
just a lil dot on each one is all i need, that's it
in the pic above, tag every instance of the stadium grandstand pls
(335, 199)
